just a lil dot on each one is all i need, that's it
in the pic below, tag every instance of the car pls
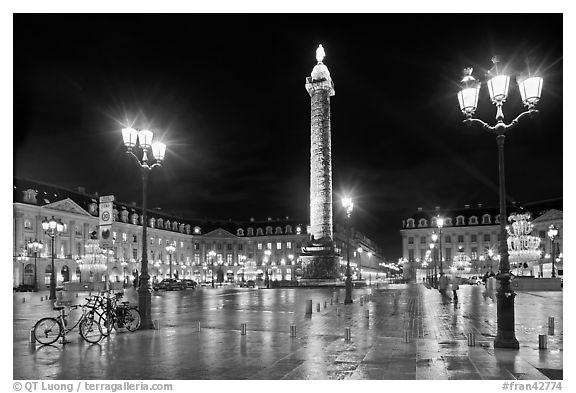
(24, 288)
(170, 284)
(248, 284)
(474, 280)
(190, 283)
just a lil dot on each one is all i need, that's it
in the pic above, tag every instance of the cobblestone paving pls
(437, 331)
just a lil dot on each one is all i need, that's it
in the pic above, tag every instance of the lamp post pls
(440, 224)
(349, 206)
(35, 246)
(369, 253)
(124, 264)
(52, 228)
(170, 250)
(360, 250)
(212, 255)
(432, 245)
(131, 137)
(552, 234)
(267, 254)
(530, 90)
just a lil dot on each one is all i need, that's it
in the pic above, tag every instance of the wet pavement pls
(200, 337)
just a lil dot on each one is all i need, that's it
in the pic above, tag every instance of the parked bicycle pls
(49, 329)
(112, 315)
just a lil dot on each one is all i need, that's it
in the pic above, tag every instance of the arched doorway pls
(47, 274)
(65, 273)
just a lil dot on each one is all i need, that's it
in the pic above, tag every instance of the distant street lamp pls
(143, 138)
(349, 206)
(267, 254)
(52, 228)
(369, 253)
(432, 245)
(170, 250)
(440, 224)
(434, 240)
(35, 247)
(360, 263)
(212, 255)
(530, 90)
(552, 234)
(124, 264)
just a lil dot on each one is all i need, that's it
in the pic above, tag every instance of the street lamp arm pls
(521, 115)
(469, 121)
(500, 127)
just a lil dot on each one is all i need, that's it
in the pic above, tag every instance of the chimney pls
(251, 219)
(479, 205)
(467, 206)
(81, 189)
(419, 209)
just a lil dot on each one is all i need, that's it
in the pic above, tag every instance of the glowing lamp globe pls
(145, 138)
(159, 150)
(130, 137)
(530, 89)
(498, 88)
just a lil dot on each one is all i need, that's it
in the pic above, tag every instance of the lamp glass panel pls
(468, 99)
(59, 226)
(530, 89)
(45, 224)
(145, 138)
(129, 135)
(498, 87)
(52, 223)
(158, 150)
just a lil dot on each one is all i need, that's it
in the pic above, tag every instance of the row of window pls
(460, 220)
(446, 254)
(448, 239)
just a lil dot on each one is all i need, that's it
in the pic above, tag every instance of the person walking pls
(455, 287)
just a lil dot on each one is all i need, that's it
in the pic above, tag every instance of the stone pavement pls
(436, 329)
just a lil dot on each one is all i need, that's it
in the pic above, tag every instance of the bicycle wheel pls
(47, 330)
(90, 330)
(132, 319)
(106, 321)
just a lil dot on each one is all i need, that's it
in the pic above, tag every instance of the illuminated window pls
(27, 224)
(124, 237)
(259, 246)
(197, 259)
(410, 240)
(289, 245)
(269, 246)
(460, 238)
(229, 258)
(278, 245)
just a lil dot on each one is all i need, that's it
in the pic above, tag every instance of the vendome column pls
(319, 259)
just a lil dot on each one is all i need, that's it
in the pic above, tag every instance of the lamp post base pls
(145, 306)
(348, 298)
(506, 336)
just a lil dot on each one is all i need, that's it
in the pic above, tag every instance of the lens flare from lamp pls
(130, 137)
(145, 138)
(498, 88)
(530, 90)
(158, 150)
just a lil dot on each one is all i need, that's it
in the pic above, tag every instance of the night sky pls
(226, 94)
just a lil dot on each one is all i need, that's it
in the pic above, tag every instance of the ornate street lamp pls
(52, 228)
(35, 247)
(552, 234)
(170, 250)
(143, 138)
(434, 240)
(530, 89)
(440, 224)
(349, 206)
(433, 260)
(212, 255)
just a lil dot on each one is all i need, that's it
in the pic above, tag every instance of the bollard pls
(318, 307)
(550, 326)
(32, 339)
(308, 307)
(361, 300)
(330, 301)
(347, 334)
(243, 329)
(199, 326)
(23, 300)
(41, 298)
(367, 313)
(542, 341)
(406, 336)
(471, 339)
(338, 311)
(292, 330)
(325, 304)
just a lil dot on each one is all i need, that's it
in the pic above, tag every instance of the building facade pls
(226, 251)
(472, 235)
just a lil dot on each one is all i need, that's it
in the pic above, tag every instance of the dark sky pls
(226, 94)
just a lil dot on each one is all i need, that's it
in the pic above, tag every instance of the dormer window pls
(422, 223)
(497, 220)
(124, 215)
(250, 231)
(268, 230)
(134, 218)
(115, 214)
(278, 230)
(288, 229)
(486, 219)
(152, 221)
(187, 229)
(473, 220)
(447, 222)
(433, 222)
(240, 232)
(159, 223)
(93, 209)
(259, 232)
(175, 226)
(167, 224)
(460, 220)
(410, 223)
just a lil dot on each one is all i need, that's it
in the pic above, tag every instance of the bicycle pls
(112, 315)
(49, 329)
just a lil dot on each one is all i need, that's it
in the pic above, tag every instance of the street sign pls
(107, 198)
(105, 236)
(106, 218)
